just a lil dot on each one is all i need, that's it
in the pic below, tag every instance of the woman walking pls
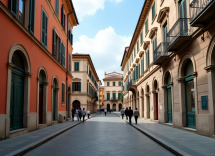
(73, 113)
(88, 113)
(126, 113)
(136, 114)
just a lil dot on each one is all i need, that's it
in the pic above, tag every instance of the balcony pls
(178, 35)
(114, 99)
(160, 54)
(131, 84)
(202, 13)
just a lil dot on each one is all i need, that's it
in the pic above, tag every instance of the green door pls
(17, 99)
(54, 103)
(149, 105)
(169, 104)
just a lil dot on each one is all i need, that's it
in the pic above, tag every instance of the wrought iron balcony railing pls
(160, 51)
(197, 7)
(130, 83)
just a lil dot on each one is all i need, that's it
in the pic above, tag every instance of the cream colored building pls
(112, 91)
(169, 65)
(85, 83)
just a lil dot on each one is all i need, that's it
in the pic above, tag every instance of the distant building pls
(85, 83)
(101, 97)
(112, 91)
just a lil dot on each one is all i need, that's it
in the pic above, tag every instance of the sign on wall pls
(204, 102)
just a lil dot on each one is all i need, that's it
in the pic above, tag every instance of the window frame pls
(43, 10)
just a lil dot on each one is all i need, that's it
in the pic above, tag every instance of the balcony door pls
(183, 26)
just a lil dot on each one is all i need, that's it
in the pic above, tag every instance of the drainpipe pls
(67, 65)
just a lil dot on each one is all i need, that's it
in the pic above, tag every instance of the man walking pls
(73, 113)
(126, 113)
(122, 112)
(130, 114)
(88, 113)
(83, 113)
(77, 114)
(136, 114)
(80, 113)
(105, 110)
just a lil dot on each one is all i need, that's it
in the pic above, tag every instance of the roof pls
(125, 54)
(74, 11)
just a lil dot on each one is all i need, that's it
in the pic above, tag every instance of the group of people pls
(129, 113)
(80, 113)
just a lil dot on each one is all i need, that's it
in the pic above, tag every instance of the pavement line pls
(35, 144)
(161, 142)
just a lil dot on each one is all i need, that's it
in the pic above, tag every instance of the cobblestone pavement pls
(101, 135)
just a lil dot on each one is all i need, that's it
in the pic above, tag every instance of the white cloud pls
(89, 7)
(106, 50)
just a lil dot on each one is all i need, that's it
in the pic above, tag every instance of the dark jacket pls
(73, 111)
(126, 112)
(130, 112)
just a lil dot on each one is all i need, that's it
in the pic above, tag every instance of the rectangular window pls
(154, 44)
(13, 6)
(57, 7)
(137, 45)
(134, 52)
(108, 96)
(165, 33)
(76, 66)
(119, 94)
(147, 59)
(146, 26)
(114, 96)
(141, 38)
(63, 93)
(44, 28)
(76, 86)
(108, 83)
(31, 16)
(119, 83)
(142, 67)
(70, 63)
(153, 11)
(113, 83)
(62, 16)
(63, 55)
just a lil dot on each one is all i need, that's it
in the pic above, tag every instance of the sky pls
(105, 28)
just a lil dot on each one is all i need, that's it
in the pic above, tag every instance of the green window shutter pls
(71, 39)
(108, 84)
(141, 38)
(119, 94)
(146, 26)
(62, 15)
(44, 28)
(59, 50)
(108, 96)
(63, 55)
(63, 92)
(113, 83)
(69, 63)
(137, 45)
(69, 36)
(134, 52)
(79, 86)
(54, 44)
(153, 11)
(77, 66)
(73, 86)
(31, 16)
(13, 6)
(65, 23)
(114, 96)
(74, 66)
(57, 7)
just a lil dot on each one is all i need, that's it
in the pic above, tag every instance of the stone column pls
(141, 107)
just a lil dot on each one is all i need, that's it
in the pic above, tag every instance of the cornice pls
(153, 32)
(146, 44)
(162, 13)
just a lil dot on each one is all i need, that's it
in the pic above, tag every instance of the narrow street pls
(101, 135)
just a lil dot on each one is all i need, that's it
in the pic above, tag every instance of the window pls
(108, 96)
(57, 7)
(134, 52)
(31, 16)
(44, 28)
(63, 55)
(63, 93)
(56, 47)
(142, 67)
(137, 45)
(119, 83)
(76, 86)
(77, 66)
(108, 83)
(114, 96)
(70, 63)
(113, 83)
(63, 18)
(146, 26)
(147, 59)
(154, 43)
(165, 33)
(141, 38)
(119, 94)
(153, 11)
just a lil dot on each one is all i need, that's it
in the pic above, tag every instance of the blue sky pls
(106, 27)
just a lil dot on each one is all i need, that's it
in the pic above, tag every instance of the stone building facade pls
(101, 97)
(34, 36)
(112, 91)
(85, 83)
(169, 65)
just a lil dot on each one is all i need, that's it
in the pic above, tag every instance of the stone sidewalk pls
(25, 142)
(176, 140)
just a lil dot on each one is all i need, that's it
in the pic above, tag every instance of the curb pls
(34, 145)
(161, 142)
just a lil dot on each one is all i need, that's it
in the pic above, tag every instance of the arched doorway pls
(120, 107)
(76, 104)
(54, 104)
(156, 100)
(17, 92)
(189, 95)
(114, 107)
(148, 101)
(108, 106)
(169, 98)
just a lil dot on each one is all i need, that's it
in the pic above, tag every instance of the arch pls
(76, 104)
(108, 107)
(55, 92)
(22, 52)
(147, 88)
(120, 107)
(44, 72)
(165, 74)
(154, 84)
(114, 107)
(210, 59)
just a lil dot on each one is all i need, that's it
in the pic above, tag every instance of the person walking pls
(130, 114)
(126, 113)
(73, 113)
(80, 113)
(105, 110)
(136, 114)
(88, 113)
(77, 114)
(122, 112)
(83, 113)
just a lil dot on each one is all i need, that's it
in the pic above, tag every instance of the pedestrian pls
(88, 113)
(77, 114)
(130, 114)
(136, 114)
(122, 112)
(73, 113)
(83, 113)
(126, 113)
(105, 110)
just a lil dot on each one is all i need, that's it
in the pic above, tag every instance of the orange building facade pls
(36, 77)
(101, 95)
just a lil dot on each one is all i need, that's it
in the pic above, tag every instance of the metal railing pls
(161, 50)
(197, 6)
(180, 28)
(130, 83)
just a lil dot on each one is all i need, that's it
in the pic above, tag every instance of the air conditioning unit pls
(62, 118)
